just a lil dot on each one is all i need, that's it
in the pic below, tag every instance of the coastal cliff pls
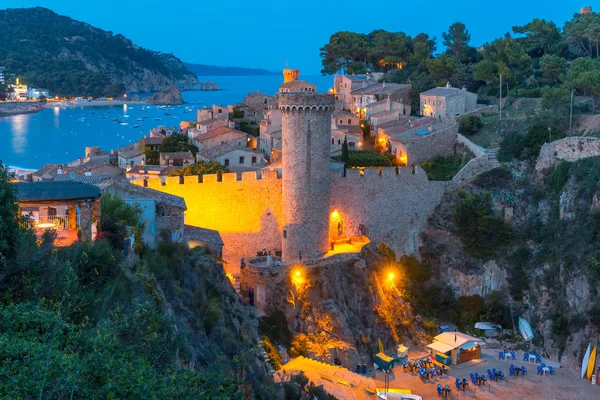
(72, 58)
(168, 96)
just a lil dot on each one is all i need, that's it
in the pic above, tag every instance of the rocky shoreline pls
(8, 108)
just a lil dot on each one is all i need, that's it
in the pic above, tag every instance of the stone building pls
(367, 95)
(161, 212)
(149, 172)
(70, 208)
(235, 158)
(421, 143)
(220, 136)
(337, 138)
(131, 157)
(343, 118)
(343, 85)
(297, 87)
(270, 141)
(447, 102)
(260, 101)
(176, 159)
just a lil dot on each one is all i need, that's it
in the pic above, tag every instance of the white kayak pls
(586, 360)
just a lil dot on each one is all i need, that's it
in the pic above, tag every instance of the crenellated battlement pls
(407, 174)
(251, 176)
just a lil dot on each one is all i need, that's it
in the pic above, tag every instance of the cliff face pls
(14, 108)
(54, 50)
(171, 95)
(548, 273)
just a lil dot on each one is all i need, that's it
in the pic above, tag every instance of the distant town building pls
(343, 85)
(341, 117)
(129, 158)
(151, 143)
(363, 97)
(149, 171)
(234, 157)
(421, 143)
(297, 86)
(34, 93)
(87, 173)
(260, 101)
(176, 159)
(447, 102)
(216, 112)
(19, 92)
(220, 136)
(2, 69)
(269, 142)
(337, 139)
(196, 236)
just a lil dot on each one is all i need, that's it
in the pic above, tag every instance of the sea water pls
(59, 135)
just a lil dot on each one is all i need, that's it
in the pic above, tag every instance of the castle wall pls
(392, 207)
(246, 212)
(568, 149)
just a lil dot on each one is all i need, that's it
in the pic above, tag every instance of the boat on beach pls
(586, 360)
(525, 329)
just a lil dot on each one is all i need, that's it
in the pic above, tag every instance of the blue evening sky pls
(266, 33)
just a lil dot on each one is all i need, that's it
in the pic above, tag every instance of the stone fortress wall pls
(391, 204)
(567, 149)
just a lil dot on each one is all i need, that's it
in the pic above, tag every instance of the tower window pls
(349, 121)
(284, 234)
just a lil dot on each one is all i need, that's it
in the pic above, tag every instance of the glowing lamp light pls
(298, 273)
(335, 214)
(391, 276)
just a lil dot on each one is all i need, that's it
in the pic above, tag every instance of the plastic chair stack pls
(524, 370)
(439, 390)
(501, 355)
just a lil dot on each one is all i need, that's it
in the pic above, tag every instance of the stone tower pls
(290, 75)
(306, 148)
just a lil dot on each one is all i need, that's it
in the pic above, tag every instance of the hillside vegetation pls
(85, 322)
(72, 58)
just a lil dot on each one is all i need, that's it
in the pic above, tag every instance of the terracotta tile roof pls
(220, 131)
(153, 140)
(131, 153)
(405, 126)
(351, 128)
(224, 148)
(143, 169)
(296, 85)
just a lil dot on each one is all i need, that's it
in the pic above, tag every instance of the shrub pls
(559, 176)
(415, 270)
(494, 179)
(595, 314)
(365, 158)
(275, 327)
(512, 146)
(272, 353)
(469, 124)
(481, 232)
(444, 168)
(384, 250)
(300, 346)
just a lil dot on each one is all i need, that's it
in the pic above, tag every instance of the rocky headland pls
(169, 96)
(14, 107)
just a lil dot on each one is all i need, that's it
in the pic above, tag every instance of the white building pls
(235, 158)
(34, 93)
(129, 158)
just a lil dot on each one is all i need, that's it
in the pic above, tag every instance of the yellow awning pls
(441, 347)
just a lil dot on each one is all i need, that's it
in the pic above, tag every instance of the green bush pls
(529, 93)
(275, 327)
(300, 346)
(481, 232)
(444, 168)
(511, 147)
(365, 158)
(494, 179)
(559, 176)
(384, 250)
(469, 124)
(272, 353)
(595, 314)
(415, 270)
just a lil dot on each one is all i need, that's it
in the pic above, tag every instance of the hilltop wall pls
(568, 149)
(246, 212)
(389, 204)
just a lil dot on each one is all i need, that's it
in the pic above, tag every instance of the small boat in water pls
(157, 119)
(139, 119)
(136, 126)
(124, 123)
(125, 116)
(113, 119)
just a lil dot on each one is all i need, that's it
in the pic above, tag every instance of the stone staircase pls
(493, 157)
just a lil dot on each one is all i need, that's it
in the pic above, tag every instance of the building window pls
(220, 111)
(349, 121)
(332, 141)
(339, 141)
(284, 234)
(253, 160)
(341, 122)
(226, 162)
(241, 159)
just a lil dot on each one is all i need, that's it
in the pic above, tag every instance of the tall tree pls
(576, 33)
(503, 56)
(552, 67)
(346, 52)
(9, 216)
(442, 68)
(541, 37)
(456, 41)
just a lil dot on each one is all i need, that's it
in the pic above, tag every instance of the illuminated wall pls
(247, 212)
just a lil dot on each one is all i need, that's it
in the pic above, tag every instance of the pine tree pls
(345, 152)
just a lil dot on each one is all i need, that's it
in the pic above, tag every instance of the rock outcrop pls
(209, 85)
(13, 108)
(168, 96)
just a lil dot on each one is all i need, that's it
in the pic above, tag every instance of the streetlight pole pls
(571, 114)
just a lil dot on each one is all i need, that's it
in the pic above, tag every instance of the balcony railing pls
(58, 222)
